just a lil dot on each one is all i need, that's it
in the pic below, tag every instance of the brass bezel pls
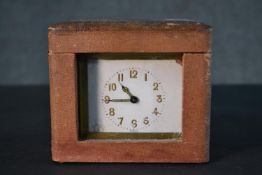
(82, 59)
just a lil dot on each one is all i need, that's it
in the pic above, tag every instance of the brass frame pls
(83, 133)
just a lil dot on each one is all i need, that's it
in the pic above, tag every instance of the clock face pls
(138, 95)
(133, 99)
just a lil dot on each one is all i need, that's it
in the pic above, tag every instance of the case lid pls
(79, 26)
(129, 36)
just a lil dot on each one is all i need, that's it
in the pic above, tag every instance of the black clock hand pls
(120, 100)
(126, 90)
(133, 98)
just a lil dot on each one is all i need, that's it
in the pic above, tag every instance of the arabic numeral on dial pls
(156, 112)
(146, 121)
(155, 86)
(159, 98)
(120, 120)
(134, 123)
(106, 99)
(112, 87)
(120, 77)
(133, 73)
(111, 111)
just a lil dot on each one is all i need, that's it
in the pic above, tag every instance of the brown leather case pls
(189, 38)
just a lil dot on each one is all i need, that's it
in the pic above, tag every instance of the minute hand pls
(119, 100)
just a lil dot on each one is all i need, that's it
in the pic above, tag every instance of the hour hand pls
(133, 99)
(126, 90)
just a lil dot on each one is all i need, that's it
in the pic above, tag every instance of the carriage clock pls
(130, 91)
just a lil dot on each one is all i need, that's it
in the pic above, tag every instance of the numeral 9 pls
(107, 99)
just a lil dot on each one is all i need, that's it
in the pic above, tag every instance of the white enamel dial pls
(133, 99)
(156, 85)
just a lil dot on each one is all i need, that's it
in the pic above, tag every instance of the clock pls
(130, 91)
(131, 96)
